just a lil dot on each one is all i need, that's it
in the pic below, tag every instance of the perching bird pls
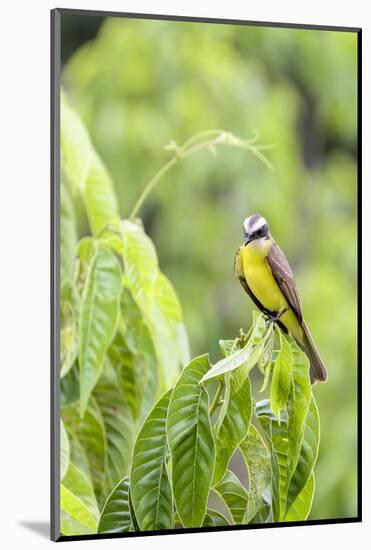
(265, 274)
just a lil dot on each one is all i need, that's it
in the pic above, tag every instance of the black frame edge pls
(55, 57)
(191, 19)
(359, 273)
(195, 530)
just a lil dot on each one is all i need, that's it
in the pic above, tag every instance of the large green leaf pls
(98, 195)
(157, 300)
(90, 432)
(286, 488)
(149, 483)
(249, 355)
(141, 265)
(118, 429)
(280, 445)
(68, 233)
(85, 171)
(277, 436)
(191, 443)
(308, 455)
(282, 375)
(79, 483)
(79, 509)
(300, 508)
(76, 519)
(105, 434)
(234, 425)
(115, 516)
(65, 451)
(234, 494)
(76, 147)
(257, 459)
(124, 363)
(298, 404)
(168, 331)
(134, 355)
(98, 319)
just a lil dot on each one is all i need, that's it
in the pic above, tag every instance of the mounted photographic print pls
(205, 264)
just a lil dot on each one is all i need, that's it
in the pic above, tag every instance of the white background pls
(24, 269)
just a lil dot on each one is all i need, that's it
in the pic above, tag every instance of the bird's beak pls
(248, 239)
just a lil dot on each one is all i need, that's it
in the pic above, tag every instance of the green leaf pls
(118, 429)
(183, 344)
(257, 459)
(134, 522)
(308, 454)
(286, 486)
(248, 356)
(98, 195)
(86, 250)
(68, 329)
(105, 433)
(191, 443)
(115, 516)
(85, 171)
(234, 495)
(149, 483)
(234, 426)
(98, 319)
(65, 451)
(141, 265)
(134, 355)
(214, 518)
(70, 387)
(79, 457)
(168, 332)
(300, 508)
(298, 404)
(68, 233)
(76, 146)
(280, 445)
(79, 510)
(90, 432)
(281, 378)
(277, 436)
(76, 519)
(227, 347)
(79, 483)
(123, 362)
(266, 361)
(157, 300)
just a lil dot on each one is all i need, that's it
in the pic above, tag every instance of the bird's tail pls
(317, 370)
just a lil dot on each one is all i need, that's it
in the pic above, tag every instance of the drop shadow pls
(41, 528)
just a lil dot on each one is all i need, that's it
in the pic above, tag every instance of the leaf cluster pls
(148, 435)
(122, 337)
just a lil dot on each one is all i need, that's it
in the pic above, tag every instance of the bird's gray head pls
(255, 227)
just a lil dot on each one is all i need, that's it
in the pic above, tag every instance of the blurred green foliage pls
(140, 84)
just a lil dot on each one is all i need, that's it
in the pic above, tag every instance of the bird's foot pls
(275, 317)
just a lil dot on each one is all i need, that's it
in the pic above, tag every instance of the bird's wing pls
(238, 271)
(284, 277)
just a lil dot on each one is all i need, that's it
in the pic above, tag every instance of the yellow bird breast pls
(263, 285)
(259, 276)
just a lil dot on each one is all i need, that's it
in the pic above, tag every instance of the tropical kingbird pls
(266, 276)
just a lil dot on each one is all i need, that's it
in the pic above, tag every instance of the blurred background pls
(140, 84)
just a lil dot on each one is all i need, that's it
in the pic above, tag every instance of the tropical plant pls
(148, 436)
